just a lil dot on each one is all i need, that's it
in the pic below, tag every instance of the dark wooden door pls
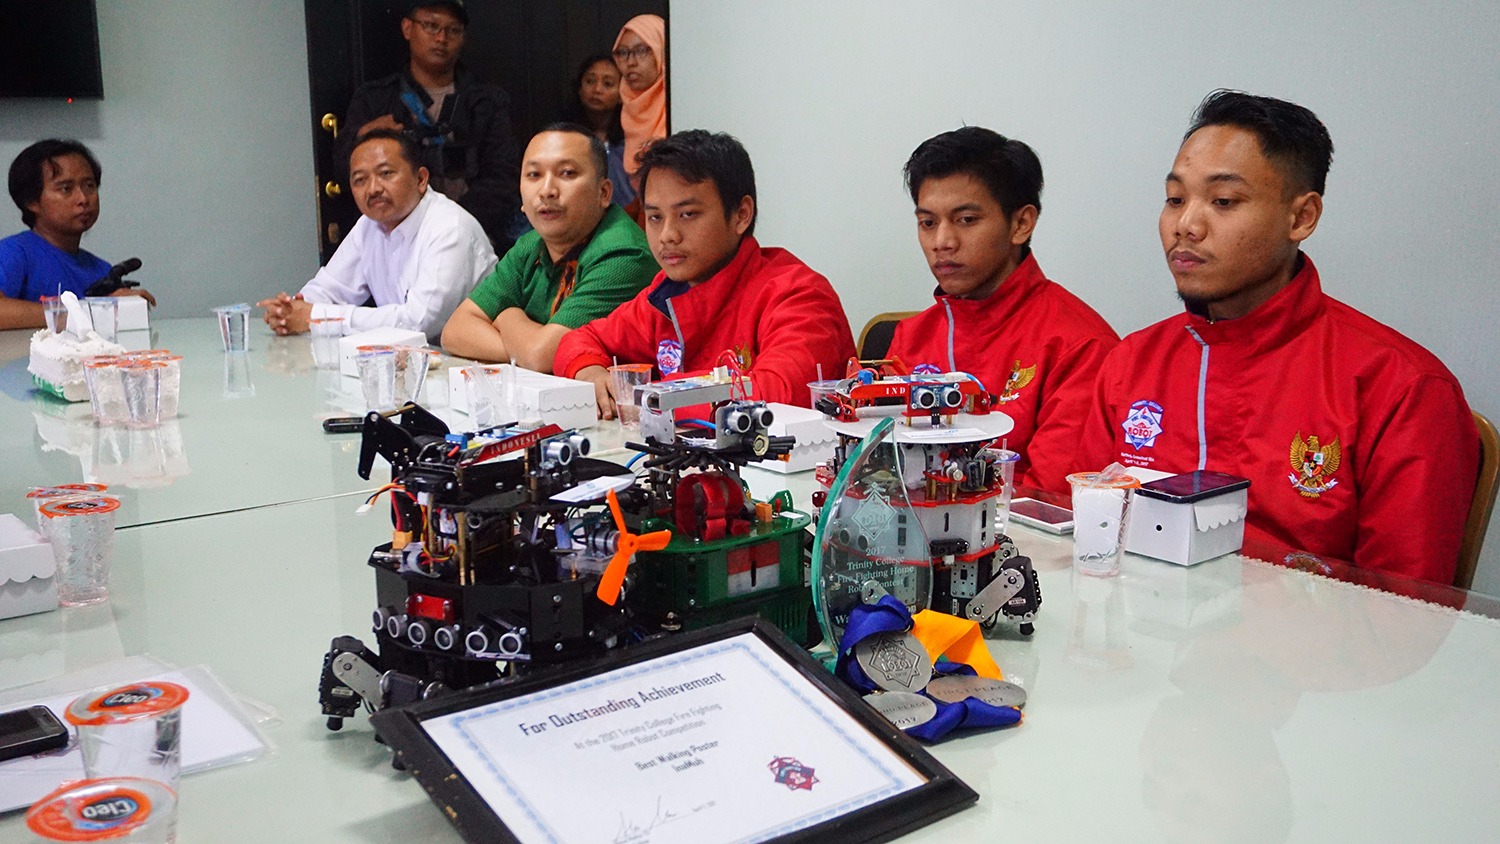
(531, 48)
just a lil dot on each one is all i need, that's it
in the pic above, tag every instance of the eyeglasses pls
(433, 28)
(638, 53)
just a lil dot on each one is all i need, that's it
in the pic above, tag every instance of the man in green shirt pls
(583, 259)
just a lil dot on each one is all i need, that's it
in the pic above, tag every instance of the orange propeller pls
(614, 574)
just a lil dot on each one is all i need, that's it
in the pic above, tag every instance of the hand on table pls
(136, 291)
(604, 389)
(286, 314)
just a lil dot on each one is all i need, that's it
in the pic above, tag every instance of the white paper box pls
(1186, 534)
(27, 570)
(349, 345)
(815, 440)
(134, 314)
(542, 398)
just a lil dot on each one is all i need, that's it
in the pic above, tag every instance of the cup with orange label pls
(132, 730)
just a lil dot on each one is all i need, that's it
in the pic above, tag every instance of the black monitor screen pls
(49, 48)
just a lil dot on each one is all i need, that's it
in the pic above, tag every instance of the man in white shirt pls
(414, 252)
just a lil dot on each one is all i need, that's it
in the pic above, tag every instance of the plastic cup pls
(82, 533)
(134, 730)
(488, 404)
(1101, 510)
(377, 376)
(142, 382)
(821, 389)
(42, 495)
(116, 809)
(106, 386)
(56, 314)
(1004, 461)
(411, 364)
(234, 326)
(171, 384)
(105, 312)
(626, 377)
(326, 332)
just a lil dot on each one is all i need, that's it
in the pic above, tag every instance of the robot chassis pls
(953, 486)
(499, 566)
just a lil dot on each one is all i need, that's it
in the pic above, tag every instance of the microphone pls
(115, 278)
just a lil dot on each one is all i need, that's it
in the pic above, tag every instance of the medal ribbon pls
(940, 635)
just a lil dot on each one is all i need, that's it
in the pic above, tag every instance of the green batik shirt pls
(608, 269)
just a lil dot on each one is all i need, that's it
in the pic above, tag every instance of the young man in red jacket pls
(1357, 442)
(997, 317)
(719, 290)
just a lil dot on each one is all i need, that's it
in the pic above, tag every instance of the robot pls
(953, 478)
(513, 551)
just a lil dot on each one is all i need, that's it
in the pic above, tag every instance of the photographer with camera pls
(461, 125)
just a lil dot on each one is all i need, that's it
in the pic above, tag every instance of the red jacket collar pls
(1282, 317)
(1008, 298)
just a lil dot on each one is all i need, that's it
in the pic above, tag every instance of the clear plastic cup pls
(105, 313)
(377, 376)
(820, 389)
(106, 386)
(626, 377)
(411, 365)
(171, 384)
(1004, 462)
(237, 383)
(134, 730)
(1101, 511)
(326, 333)
(56, 314)
(82, 533)
(42, 495)
(487, 403)
(234, 326)
(142, 382)
(115, 809)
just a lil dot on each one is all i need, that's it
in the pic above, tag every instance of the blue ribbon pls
(889, 615)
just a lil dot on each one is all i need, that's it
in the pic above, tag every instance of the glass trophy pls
(870, 541)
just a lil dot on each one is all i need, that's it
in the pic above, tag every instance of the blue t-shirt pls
(31, 268)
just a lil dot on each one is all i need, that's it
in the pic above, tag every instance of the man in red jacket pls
(1357, 442)
(719, 291)
(1033, 344)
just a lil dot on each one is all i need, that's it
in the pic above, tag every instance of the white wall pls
(204, 139)
(831, 97)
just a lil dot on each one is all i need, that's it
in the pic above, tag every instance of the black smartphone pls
(27, 732)
(344, 425)
(1193, 486)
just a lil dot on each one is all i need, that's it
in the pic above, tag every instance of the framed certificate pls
(732, 733)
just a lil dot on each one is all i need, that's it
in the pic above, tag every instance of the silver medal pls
(952, 688)
(894, 661)
(904, 709)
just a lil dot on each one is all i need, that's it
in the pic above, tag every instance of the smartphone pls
(344, 425)
(1041, 515)
(1193, 486)
(27, 732)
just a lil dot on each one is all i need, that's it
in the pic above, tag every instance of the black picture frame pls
(941, 795)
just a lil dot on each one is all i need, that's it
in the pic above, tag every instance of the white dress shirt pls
(417, 274)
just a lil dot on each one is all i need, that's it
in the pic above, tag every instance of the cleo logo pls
(1313, 465)
(1143, 424)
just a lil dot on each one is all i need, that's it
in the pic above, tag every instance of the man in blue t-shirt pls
(56, 185)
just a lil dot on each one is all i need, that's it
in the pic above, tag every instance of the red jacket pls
(1033, 344)
(1357, 442)
(779, 315)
